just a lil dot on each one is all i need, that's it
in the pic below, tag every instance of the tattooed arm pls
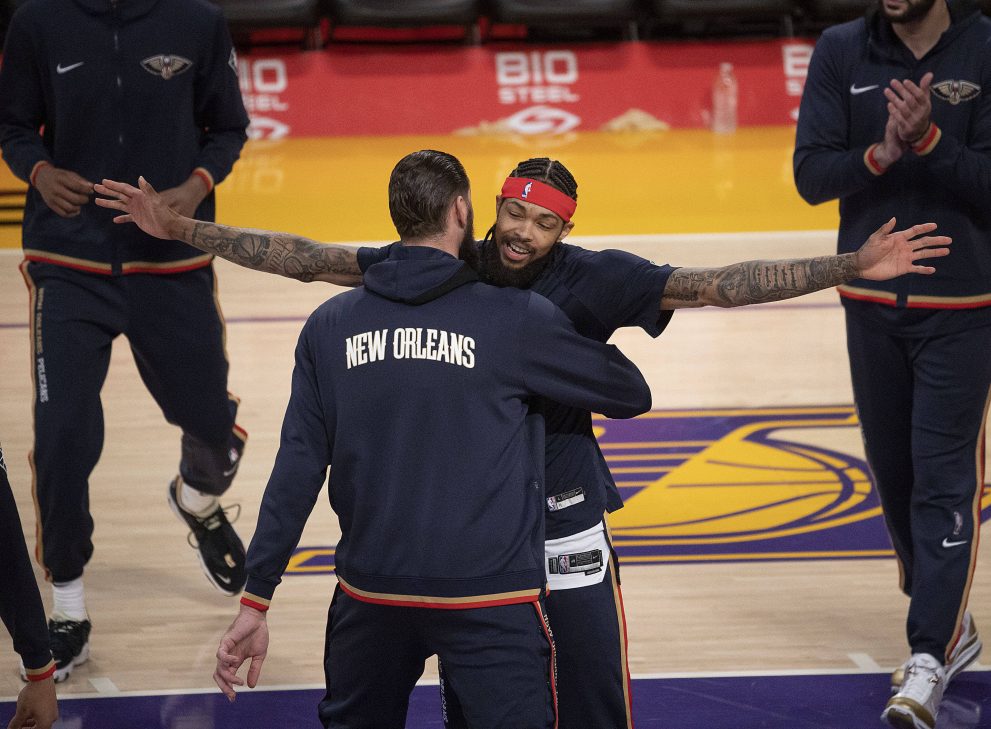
(280, 253)
(284, 254)
(885, 255)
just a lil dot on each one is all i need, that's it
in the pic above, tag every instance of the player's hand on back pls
(889, 253)
(141, 205)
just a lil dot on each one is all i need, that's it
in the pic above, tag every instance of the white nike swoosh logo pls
(65, 69)
(232, 471)
(947, 543)
(225, 580)
(854, 89)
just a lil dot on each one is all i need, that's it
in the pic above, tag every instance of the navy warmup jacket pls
(843, 112)
(415, 390)
(144, 87)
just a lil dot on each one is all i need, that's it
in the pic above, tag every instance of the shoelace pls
(213, 521)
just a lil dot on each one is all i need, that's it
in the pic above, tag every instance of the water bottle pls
(724, 95)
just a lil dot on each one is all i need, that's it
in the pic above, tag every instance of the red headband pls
(539, 193)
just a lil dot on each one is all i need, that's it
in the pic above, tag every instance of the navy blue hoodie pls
(415, 389)
(121, 89)
(844, 111)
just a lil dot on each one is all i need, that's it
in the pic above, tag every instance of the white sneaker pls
(965, 652)
(917, 702)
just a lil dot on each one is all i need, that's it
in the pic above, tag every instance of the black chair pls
(820, 14)
(722, 17)
(568, 19)
(463, 14)
(247, 17)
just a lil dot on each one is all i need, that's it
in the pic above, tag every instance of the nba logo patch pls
(563, 564)
(526, 190)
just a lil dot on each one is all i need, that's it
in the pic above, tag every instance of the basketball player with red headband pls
(600, 292)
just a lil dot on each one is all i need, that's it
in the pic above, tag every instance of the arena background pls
(772, 605)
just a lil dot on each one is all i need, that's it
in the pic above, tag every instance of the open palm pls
(141, 205)
(888, 254)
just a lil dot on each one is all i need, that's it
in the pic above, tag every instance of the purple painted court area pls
(848, 701)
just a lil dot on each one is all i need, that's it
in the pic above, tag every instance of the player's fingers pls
(119, 187)
(255, 670)
(111, 193)
(923, 269)
(919, 229)
(145, 185)
(124, 219)
(109, 202)
(926, 81)
(73, 198)
(935, 243)
(76, 183)
(931, 253)
(225, 688)
(886, 228)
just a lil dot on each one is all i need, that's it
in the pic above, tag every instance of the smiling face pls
(524, 235)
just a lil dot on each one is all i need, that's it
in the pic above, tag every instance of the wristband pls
(928, 141)
(206, 177)
(40, 674)
(36, 169)
(253, 601)
(871, 161)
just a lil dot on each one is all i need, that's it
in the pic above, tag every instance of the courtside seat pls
(568, 19)
(247, 16)
(819, 14)
(406, 14)
(723, 17)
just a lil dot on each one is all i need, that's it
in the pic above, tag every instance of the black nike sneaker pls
(219, 548)
(69, 641)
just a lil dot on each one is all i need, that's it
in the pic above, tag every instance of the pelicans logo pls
(956, 91)
(166, 65)
(732, 485)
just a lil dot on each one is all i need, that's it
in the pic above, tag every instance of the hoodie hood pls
(417, 274)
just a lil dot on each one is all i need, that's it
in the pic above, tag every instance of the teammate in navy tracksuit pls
(415, 389)
(24, 617)
(896, 120)
(96, 88)
(600, 292)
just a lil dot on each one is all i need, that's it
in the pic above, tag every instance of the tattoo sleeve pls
(756, 282)
(280, 253)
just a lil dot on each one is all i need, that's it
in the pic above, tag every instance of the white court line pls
(104, 686)
(780, 672)
(865, 662)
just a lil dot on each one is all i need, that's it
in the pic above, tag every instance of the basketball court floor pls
(759, 584)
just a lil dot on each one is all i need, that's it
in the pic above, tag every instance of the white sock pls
(69, 600)
(196, 502)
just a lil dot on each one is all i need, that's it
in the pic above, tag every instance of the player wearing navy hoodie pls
(415, 390)
(896, 120)
(600, 292)
(98, 88)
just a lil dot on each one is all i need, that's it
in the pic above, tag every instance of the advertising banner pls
(432, 89)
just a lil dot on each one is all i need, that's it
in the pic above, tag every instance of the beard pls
(916, 10)
(468, 239)
(487, 260)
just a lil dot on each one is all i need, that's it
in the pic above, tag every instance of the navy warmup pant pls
(922, 402)
(591, 644)
(176, 334)
(500, 660)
